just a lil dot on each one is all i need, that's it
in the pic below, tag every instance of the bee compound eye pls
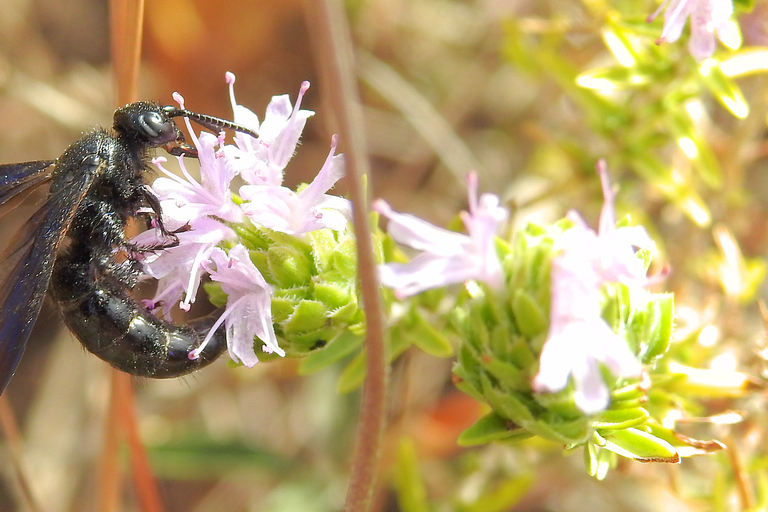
(154, 125)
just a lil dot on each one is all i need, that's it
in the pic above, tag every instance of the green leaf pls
(663, 313)
(195, 457)
(598, 460)
(352, 375)
(336, 349)
(570, 433)
(425, 336)
(492, 427)
(505, 496)
(621, 418)
(639, 445)
(679, 193)
(409, 486)
(686, 132)
(614, 78)
(724, 89)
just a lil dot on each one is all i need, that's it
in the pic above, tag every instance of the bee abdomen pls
(117, 329)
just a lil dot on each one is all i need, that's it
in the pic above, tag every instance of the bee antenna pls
(215, 124)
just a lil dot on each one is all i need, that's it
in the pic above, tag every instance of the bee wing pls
(27, 263)
(18, 178)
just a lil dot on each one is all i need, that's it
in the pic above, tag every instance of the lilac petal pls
(338, 205)
(576, 349)
(419, 234)
(240, 328)
(331, 172)
(674, 20)
(248, 310)
(423, 272)
(554, 365)
(591, 395)
(284, 125)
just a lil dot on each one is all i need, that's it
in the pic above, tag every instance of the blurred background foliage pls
(529, 94)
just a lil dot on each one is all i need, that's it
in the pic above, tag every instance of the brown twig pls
(335, 50)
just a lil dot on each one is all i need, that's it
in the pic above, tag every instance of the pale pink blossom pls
(248, 313)
(446, 257)
(263, 160)
(310, 209)
(709, 19)
(579, 340)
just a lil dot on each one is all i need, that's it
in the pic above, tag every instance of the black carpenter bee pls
(70, 245)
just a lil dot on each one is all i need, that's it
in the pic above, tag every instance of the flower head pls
(447, 257)
(709, 18)
(203, 216)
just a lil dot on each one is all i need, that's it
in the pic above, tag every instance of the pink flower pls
(263, 160)
(197, 209)
(708, 18)
(310, 209)
(579, 340)
(248, 313)
(447, 257)
(179, 269)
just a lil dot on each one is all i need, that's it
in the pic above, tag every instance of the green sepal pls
(282, 308)
(509, 376)
(308, 315)
(334, 295)
(288, 266)
(529, 317)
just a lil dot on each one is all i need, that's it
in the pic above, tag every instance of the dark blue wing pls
(26, 265)
(18, 178)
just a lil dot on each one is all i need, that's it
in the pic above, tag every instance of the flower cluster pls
(207, 218)
(558, 334)
(579, 339)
